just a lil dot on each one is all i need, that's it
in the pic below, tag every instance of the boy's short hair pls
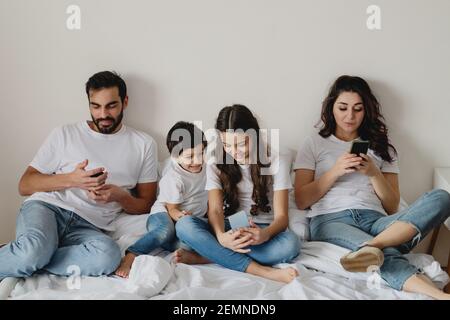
(184, 135)
(107, 79)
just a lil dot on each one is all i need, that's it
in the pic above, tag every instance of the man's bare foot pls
(189, 257)
(125, 265)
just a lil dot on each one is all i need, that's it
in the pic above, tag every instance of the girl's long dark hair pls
(372, 128)
(239, 117)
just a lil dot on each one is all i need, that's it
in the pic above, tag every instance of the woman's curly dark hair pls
(239, 117)
(372, 128)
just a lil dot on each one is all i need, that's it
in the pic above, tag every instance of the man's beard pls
(111, 128)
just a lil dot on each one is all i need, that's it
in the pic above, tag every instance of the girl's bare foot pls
(285, 275)
(189, 257)
(125, 265)
(282, 275)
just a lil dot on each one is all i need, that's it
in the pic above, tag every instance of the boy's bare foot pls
(189, 257)
(125, 265)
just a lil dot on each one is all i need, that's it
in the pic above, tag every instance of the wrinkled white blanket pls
(321, 277)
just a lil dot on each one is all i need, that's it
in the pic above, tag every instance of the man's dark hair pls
(107, 79)
(184, 135)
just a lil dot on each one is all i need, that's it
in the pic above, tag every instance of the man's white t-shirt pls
(281, 180)
(187, 189)
(129, 156)
(351, 191)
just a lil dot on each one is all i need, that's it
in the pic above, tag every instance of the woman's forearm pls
(310, 193)
(389, 198)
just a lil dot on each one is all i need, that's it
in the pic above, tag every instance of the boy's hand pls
(177, 214)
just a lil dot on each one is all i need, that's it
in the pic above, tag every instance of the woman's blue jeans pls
(352, 228)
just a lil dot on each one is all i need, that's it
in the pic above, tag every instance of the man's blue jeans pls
(198, 235)
(58, 241)
(352, 228)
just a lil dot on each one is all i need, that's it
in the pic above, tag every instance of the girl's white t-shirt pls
(187, 189)
(129, 156)
(281, 180)
(351, 191)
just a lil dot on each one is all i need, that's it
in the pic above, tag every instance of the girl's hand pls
(258, 234)
(236, 240)
(368, 167)
(345, 164)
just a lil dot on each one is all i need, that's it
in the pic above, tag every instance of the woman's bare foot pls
(125, 265)
(285, 275)
(189, 257)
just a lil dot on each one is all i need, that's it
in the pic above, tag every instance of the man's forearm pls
(39, 182)
(133, 205)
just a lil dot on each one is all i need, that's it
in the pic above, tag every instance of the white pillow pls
(148, 276)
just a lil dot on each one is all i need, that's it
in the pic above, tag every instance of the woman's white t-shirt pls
(187, 189)
(351, 191)
(280, 181)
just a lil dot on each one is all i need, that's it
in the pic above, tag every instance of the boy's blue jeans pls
(58, 241)
(352, 228)
(161, 233)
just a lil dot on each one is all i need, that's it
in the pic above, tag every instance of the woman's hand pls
(236, 240)
(368, 167)
(347, 163)
(258, 234)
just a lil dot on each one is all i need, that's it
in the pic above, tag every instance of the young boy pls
(181, 192)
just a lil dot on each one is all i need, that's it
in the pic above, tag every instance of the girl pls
(353, 197)
(238, 183)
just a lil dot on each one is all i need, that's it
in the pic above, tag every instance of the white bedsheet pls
(321, 277)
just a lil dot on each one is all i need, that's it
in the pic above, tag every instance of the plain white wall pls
(186, 59)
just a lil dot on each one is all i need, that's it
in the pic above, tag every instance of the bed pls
(156, 277)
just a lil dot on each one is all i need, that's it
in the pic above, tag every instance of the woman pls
(240, 182)
(354, 197)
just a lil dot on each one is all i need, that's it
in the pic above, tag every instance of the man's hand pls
(108, 193)
(80, 178)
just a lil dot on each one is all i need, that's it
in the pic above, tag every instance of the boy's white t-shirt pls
(351, 191)
(129, 156)
(187, 189)
(281, 180)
